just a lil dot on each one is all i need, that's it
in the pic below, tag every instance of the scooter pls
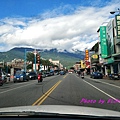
(40, 79)
(82, 75)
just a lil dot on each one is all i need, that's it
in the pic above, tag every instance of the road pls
(66, 89)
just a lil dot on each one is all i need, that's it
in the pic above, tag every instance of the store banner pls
(103, 42)
(118, 26)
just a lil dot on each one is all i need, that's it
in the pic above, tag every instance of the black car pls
(47, 74)
(32, 75)
(96, 75)
(51, 73)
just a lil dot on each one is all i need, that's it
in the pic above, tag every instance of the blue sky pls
(28, 8)
(46, 24)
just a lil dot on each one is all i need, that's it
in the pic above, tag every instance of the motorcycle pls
(82, 75)
(40, 79)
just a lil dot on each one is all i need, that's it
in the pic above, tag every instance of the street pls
(66, 89)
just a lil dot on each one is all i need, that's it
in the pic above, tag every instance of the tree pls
(29, 66)
(30, 57)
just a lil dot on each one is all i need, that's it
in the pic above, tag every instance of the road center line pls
(65, 76)
(101, 91)
(45, 95)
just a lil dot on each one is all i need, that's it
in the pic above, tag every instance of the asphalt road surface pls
(66, 89)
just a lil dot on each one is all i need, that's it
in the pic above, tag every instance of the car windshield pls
(18, 73)
(31, 73)
(68, 52)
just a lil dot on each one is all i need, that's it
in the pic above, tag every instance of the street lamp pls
(35, 53)
(112, 12)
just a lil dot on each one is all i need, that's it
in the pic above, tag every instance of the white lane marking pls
(101, 91)
(105, 83)
(15, 88)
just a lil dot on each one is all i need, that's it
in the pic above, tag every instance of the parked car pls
(32, 75)
(3, 78)
(47, 74)
(96, 75)
(20, 76)
(114, 76)
(51, 73)
(43, 75)
(56, 73)
(62, 73)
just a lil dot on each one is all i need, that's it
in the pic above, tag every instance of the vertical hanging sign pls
(103, 42)
(118, 25)
(86, 55)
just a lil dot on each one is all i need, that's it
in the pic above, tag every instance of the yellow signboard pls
(95, 56)
(83, 65)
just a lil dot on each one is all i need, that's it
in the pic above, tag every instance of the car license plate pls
(98, 74)
(116, 76)
(17, 78)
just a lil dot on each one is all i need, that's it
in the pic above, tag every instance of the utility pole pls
(25, 61)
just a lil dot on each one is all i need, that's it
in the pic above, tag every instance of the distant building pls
(77, 66)
(57, 63)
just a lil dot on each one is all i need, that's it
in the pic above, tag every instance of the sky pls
(46, 24)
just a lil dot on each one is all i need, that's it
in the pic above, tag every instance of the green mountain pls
(66, 58)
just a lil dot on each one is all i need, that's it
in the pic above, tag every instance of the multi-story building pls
(77, 66)
(109, 46)
(57, 63)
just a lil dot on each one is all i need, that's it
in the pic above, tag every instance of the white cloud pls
(77, 30)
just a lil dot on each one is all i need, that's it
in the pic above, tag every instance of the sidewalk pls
(106, 79)
(9, 80)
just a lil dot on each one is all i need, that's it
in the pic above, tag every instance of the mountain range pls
(68, 59)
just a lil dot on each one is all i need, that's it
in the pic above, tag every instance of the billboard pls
(103, 42)
(118, 26)
(95, 58)
(110, 43)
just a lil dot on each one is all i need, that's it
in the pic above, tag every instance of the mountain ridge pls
(66, 58)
